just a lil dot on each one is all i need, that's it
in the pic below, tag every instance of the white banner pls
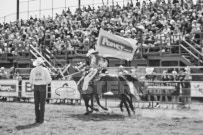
(110, 45)
(26, 89)
(9, 88)
(196, 89)
(64, 90)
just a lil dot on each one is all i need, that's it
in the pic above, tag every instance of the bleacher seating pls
(66, 35)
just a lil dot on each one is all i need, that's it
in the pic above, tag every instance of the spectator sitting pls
(3, 73)
(12, 71)
(165, 78)
(127, 21)
(17, 76)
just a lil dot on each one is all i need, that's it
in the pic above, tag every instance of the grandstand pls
(169, 38)
(164, 38)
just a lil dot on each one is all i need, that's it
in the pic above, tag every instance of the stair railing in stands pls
(194, 52)
(53, 58)
(34, 51)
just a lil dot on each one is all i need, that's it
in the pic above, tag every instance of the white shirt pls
(40, 76)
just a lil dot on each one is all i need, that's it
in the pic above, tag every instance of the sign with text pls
(9, 88)
(64, 90)
(165, 90)
(196, 89)
(110, 45)
(27, 90)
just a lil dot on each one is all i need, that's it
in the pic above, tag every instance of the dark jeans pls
(40, 98)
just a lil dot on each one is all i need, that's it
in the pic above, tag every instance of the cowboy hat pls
(125, 72)
(165, 71)
(38, 61)
(91, 51)
(149, 70)
(174, 72)
(187, 68)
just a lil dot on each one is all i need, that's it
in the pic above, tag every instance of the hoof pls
(134, 112)
(121, 110)
(97, 110)
(86, 113)
(106, 109)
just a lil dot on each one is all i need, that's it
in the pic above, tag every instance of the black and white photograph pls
(101, 67)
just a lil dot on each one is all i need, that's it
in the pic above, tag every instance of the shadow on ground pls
(28, 126)
(98, 117)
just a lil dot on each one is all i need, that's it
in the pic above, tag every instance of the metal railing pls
(53, 10)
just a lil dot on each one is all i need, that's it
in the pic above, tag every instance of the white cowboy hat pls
(165, 71)
(133, 70)
(187, 68)
(38, 61)
(174, 72)
(125, 72)
(91, 51)
(142, 78)
(149, 70)
(81, 63)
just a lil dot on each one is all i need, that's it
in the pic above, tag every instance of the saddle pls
(97, 77)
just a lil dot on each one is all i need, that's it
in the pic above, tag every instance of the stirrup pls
(97, 78)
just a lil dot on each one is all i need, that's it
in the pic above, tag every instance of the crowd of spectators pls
(151, 23)
(8, 73)
(178, 80)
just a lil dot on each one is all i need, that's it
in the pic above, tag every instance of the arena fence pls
(173, 91)
(21, 90)
(154, 89)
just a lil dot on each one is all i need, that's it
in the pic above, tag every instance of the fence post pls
(161, 45)
(39, 8)
(179, 48)
(52, 9)
(141, 54)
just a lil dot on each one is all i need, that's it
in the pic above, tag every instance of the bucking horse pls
(120, 86)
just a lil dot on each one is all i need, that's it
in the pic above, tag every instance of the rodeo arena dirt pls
(101, 88)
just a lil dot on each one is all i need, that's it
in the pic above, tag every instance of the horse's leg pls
(92, 101)
(94, 109)
(123, 98)
(92, 105)
(130, 102)
(98, 102)
(121, 106)
(86, 100)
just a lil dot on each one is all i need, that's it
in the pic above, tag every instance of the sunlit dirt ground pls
(18, 119)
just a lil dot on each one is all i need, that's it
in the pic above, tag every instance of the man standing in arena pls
(39, 79)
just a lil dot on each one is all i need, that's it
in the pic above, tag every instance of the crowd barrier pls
(68, 89)
(56, 90)
(172, 92)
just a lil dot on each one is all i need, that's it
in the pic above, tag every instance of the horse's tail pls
(132, 89)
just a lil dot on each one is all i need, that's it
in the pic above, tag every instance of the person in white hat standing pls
(39, 79)
(96, 64)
